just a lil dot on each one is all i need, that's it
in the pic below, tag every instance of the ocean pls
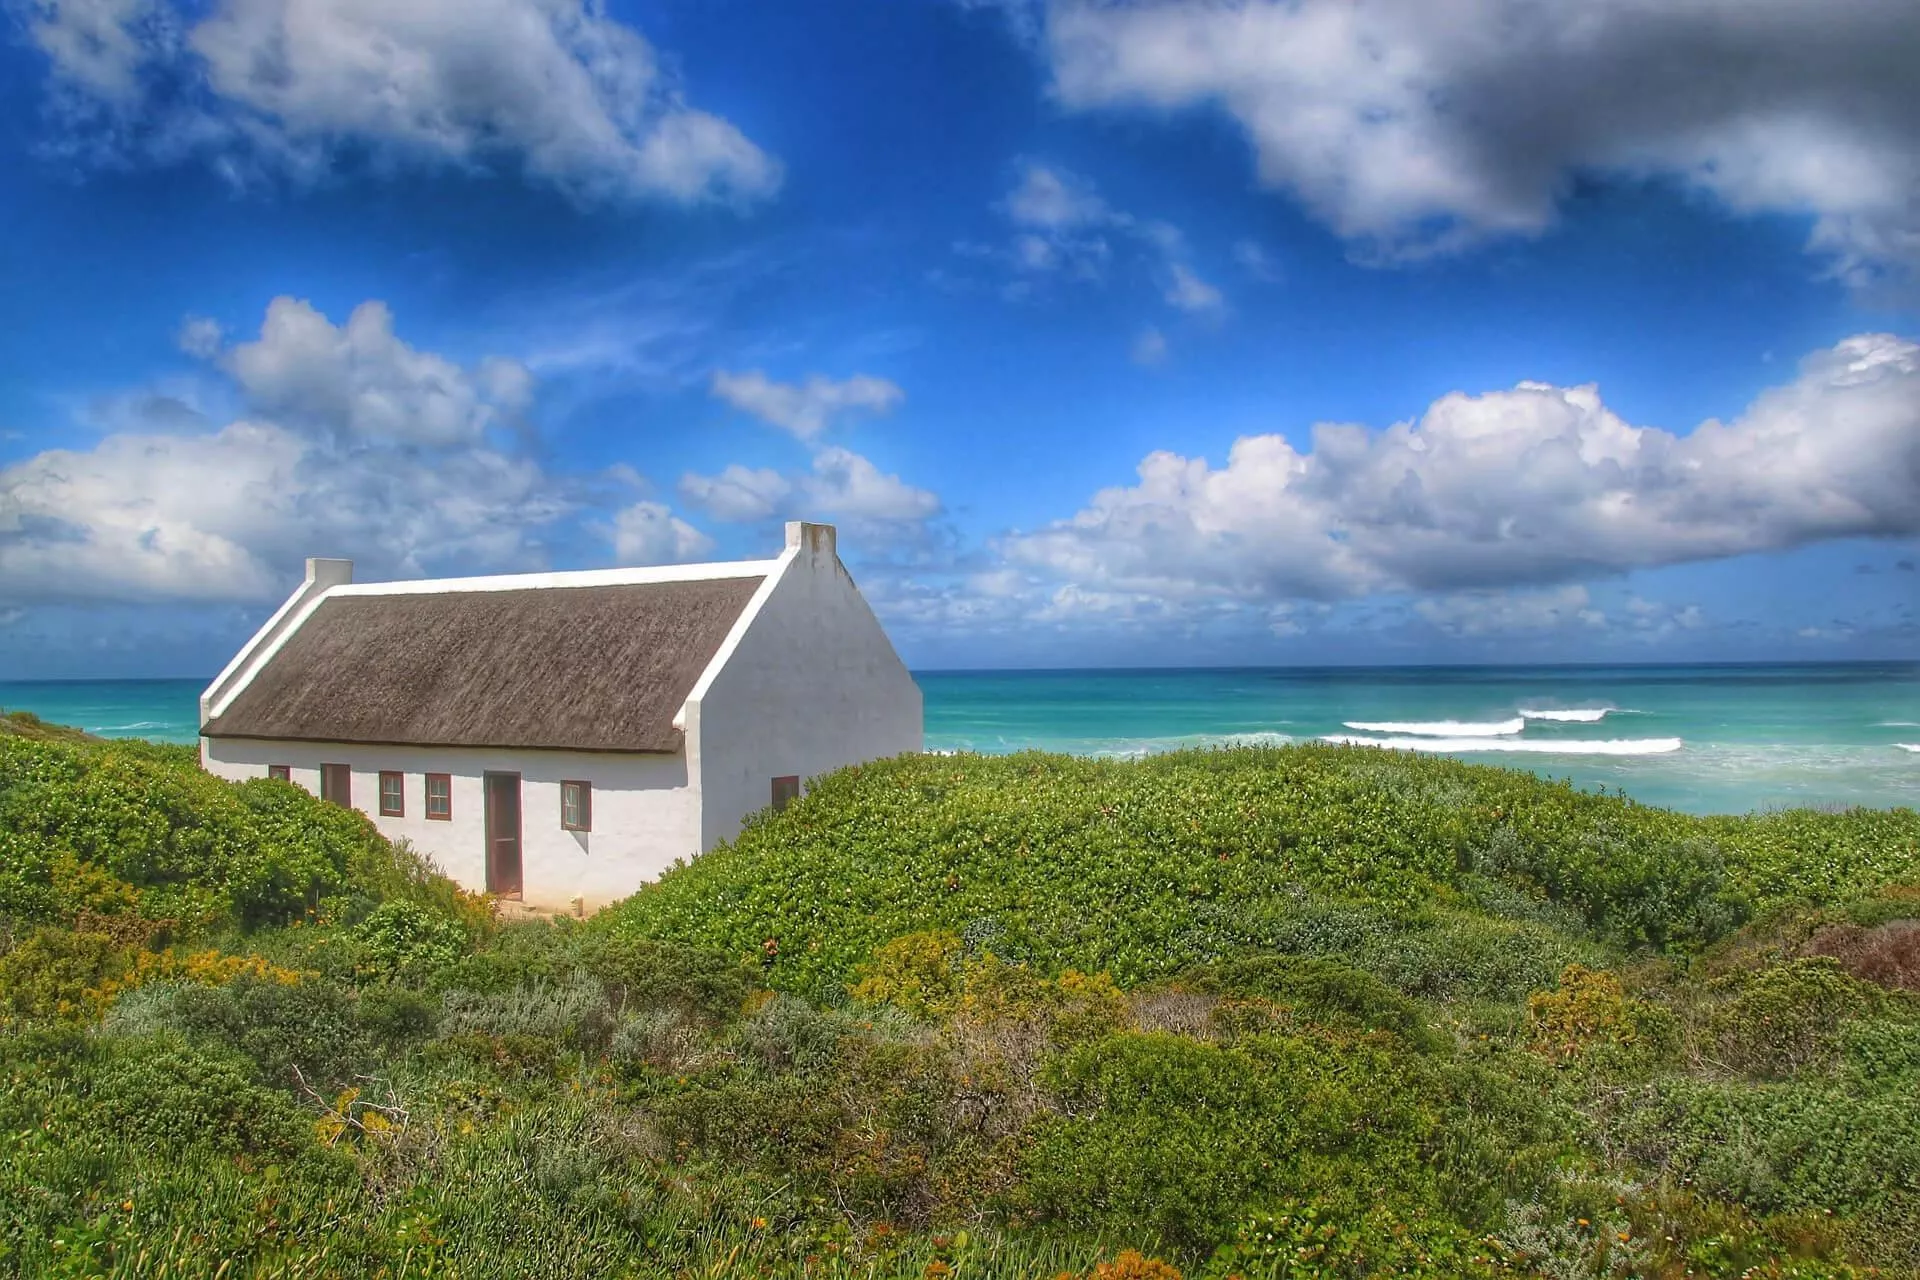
(1705, 739)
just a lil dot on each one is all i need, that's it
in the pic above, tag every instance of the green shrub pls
(1818, 1145)
(394, 1017)
(1310, 1241)
(1321, 991)
(288, 1031)
(644, 973)
(165, 1091)
(404, 941)
(1182, 1139)
(1787, 1018)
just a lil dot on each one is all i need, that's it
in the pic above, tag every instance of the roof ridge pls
(635, 576)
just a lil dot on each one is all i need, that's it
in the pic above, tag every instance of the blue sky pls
(1177, 332)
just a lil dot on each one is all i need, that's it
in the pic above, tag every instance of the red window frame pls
(393, 794)
(583, 818)
(280, 772)
(445, 780)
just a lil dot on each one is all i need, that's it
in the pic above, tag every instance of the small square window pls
(280, 772)
(576, 806)
(393, 794)
(336, 785)
(440, 797)
(785, 791)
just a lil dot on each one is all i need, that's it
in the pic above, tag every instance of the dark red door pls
(503, 834)
(336, 784)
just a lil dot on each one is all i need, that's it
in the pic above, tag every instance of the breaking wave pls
(1594, 747)
(1573, 715)
(1908, 746)
(1442, 728)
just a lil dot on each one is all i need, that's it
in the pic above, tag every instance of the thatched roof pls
(579, 668)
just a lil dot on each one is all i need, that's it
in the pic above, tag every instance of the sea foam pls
(1908, 746)
(1574, 715)
(1441, 728)
(1593, 747)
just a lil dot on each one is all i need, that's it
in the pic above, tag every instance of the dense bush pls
(1143, 868)
(116, 828)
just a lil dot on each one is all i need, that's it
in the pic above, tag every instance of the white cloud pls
(98, 46)
(227, 515)
(571, 96)
(1411, 126)
(200, 337)
(356, 444)
(362, 380)
(845, 484)
(805, 408)
(840, 484)
(1150, 348)
(1055, 200)
(1190, 293)
(1538, 485)
(1063, 227)
(649, 533)
(739, 494)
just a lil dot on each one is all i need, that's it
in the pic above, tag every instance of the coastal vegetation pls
(1277, 1012)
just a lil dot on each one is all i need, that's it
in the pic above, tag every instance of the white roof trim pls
(576, 578)
(775, 571)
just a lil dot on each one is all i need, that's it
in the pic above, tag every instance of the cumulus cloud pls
(806, 408)
(565, 93)
(1536, 486)
(360, 379)
(1410, 126)
(353, 443)
(226, 515)
(840, 484)
(739, 494)
(845, 484)
(649, 533)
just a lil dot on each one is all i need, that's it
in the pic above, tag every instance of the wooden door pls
(503, 834)
(336, 784)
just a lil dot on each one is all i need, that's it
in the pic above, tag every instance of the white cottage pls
(562, 738)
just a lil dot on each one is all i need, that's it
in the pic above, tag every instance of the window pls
(576, 806)
(280, 772)
(785, 791)
(440, 796)
(336, 785)
(393, 794)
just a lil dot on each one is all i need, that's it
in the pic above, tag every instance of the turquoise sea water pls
(1707, 739)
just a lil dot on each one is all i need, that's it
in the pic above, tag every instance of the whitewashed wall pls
(812, 684)
(645, 815)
